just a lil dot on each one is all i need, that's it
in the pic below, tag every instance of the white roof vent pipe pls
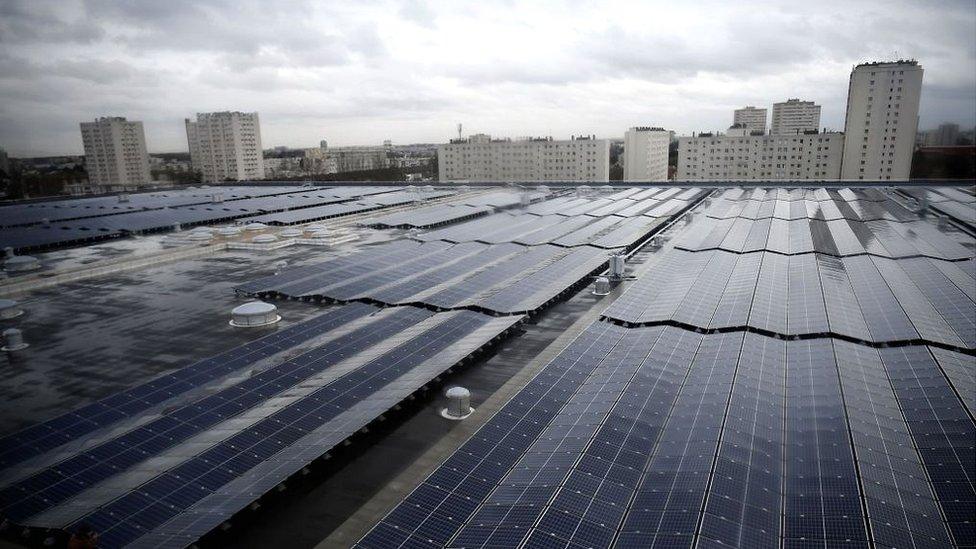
(458, 404)
(21, 264)
(9, 309)
(13, 340)
(601, 286)
(254, 314)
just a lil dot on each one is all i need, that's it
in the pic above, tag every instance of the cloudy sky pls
(359, 72)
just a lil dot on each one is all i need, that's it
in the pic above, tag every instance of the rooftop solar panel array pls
(734, 400)
(865, 298)
(165, 218)
(431, 216)
(78, 208)
(665, 437)
(503, 278)
(365, 204)
(957, 203)
(600, 221)
(174, 475)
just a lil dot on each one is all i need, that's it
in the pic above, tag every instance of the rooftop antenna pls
(459, 131)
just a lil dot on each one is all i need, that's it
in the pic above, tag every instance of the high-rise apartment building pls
(481, 158)
(115, 152)
(882, 120)
(793, 117)
(646, 154)
(750, 118)
(708, 157)
(226, 146)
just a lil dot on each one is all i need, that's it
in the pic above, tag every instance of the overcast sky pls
(359, 72)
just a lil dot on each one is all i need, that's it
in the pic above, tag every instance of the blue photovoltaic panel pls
(44, 437)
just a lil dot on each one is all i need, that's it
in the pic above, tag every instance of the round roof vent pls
(601, 286)
(313, 228)
(291, 233)
(254, 314)
(458, 404)
(320, 234)
(255, 227)
(264, 239)
(9, 309)
(199, 236)
(229, 231)
(13, 340)
(21, 263)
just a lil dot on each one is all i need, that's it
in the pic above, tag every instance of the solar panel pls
(80, 424)
(177, 475)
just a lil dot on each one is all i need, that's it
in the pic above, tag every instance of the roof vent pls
(291, 233)
(264, 239)
(9, 309)
(458, 404)
(124, 197)
(13, 340)
(314, 228)
(618, 267)
(21, 264)
(601, 286)
(216, 198)
(320, 234)
(199, 236)
(254, 314)
(255, 227)
(229, 231)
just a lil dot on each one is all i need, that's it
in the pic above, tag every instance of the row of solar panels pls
(114, 226)
(164, 463)
(318, 213)
(865, 298)
(817, 194)
(659, 203)
(957, 203)
(78, 208)
(431, 216)
(530, 230)
(664, 437)
(505, 278)
(841, 237)
(857, 210)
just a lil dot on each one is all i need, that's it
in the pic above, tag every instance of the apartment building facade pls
(226, 146)
(646, 154)
(115, 153)
(709, 157)
(481, 158)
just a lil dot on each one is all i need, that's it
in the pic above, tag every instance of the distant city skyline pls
(410, 71)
